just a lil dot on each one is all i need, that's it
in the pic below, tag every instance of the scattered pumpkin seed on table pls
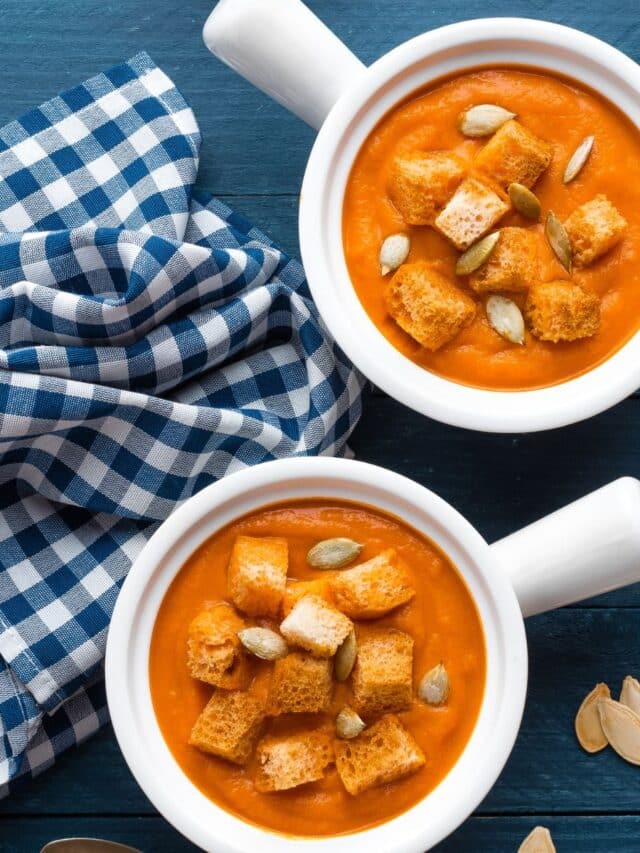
(538, 841)
(558, 239)
(477, 255)
(587, 723)
(524, 201)
(621, 726)
(348, 724)
(578, 159)
(505, 318)
(393, 252)
(630, 693)
(333, 553)
(263, 643)
(434, 687)
(483, 120)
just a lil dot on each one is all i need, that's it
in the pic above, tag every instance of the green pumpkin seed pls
(524, 201)
(558, 239)
(434, 687)
(483, 120)
(578, 159)
(345, 658)
(477, 254)
(505, 318)
(333, 553)
(348, 724)
(263, 643)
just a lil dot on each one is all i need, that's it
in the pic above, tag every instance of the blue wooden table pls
(253, 156)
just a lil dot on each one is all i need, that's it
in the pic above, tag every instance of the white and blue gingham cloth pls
(151, 341)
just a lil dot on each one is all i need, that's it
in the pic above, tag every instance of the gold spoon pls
(86, 845)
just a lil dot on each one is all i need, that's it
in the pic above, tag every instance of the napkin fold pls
(151, 341)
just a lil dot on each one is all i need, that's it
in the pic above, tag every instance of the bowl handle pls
(284, 49)
(589, 547)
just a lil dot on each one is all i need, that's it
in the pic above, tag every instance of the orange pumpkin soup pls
(575, 316)
(441, 618)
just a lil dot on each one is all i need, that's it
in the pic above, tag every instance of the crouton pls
(514, 155)
(593, 229)
(214, 652)
(316, 626)
(382, 753)
(427, 306)
(562, 311)
(257, 574)
(470, 213)
(295, 590)
(513, 266)
(373, 588)
(287, 761)
(421, 182)
(229, 726)
(300, 684)
(383, 674)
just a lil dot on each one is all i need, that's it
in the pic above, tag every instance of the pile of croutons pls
(464, 202)
(304, 633)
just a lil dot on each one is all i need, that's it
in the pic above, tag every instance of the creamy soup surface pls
(559, 111)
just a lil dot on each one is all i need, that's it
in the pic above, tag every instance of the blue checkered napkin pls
(151, 341)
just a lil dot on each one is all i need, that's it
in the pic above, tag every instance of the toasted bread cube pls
(383, 672)
(257, 574)
(229, 726)
(421, 182)
(214, 652)
(295, 590)
(562, 311)
(471, 212)
(300, 684)
(593, 229)
(316, 626)
(382, 753)
(514, 155)
(287, 761)
(373, 588)
(428, 306)
(513, 266)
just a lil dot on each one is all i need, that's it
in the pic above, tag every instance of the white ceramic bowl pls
(542, 574)
(319, 79)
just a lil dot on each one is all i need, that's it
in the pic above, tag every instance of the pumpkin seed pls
(538, 841)
(483, 120)
(263, 643)
(333, 553)
(587, 723)
(348, 724)
(578, 159)
(524, 201)
(558, 240)
(621, 726)
(630, 694)
(505, 318)
(434, 687)
(393, 252)
(477, 254)
(345, 658)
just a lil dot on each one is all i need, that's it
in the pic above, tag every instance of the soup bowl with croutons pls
(469, 217)
(321, 655)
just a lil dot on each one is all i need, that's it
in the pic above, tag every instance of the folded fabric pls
(151, 341)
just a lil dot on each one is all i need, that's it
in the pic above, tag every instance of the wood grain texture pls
(253, 155)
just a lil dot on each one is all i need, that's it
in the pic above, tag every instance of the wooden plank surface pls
(253, 156)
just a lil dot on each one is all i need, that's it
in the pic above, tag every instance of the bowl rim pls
(405, 69)
(127, 677)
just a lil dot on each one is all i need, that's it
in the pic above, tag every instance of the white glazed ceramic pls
(285, 50)
(586, 548)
